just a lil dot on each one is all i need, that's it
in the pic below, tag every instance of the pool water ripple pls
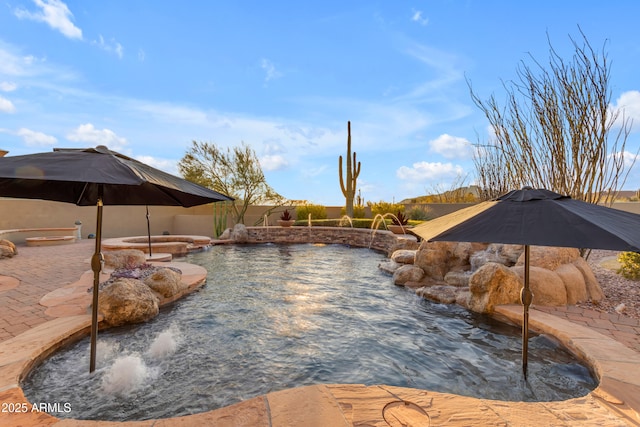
(273, 317)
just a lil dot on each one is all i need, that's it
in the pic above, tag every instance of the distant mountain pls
(468, 194)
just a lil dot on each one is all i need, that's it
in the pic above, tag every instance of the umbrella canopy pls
(97, 176)
(537, 217)
(78, 175)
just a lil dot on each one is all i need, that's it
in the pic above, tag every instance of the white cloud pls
(56, 14)
(6, 106)
(273, 162)
(317, 171)
(417, 17)
(106, 137)
(428, 171)
(628, 107)
(630, 159)
(33, 138)
(8, 86)
(451, 147)
(141, 55)
(112, 46)
(270, 70)
(273, 157)
(169, 166)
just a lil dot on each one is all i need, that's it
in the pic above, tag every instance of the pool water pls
(273, 317)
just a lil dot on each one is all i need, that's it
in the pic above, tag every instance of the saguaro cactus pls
(348, 186)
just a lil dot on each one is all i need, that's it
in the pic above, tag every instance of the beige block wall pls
(119, 221)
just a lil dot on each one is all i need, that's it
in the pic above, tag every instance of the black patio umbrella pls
(537, 217)
(97, 176)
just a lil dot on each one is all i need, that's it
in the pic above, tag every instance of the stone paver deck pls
(29, 331)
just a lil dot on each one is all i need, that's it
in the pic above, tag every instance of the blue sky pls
(148, 77)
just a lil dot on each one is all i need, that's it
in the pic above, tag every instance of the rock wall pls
(380, 240)
(481, 276)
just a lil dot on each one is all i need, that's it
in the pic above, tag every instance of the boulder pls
(574, 283)
(389, 266)
(594, 291)
(463, 296)
(404, 256)
(240, 234)
(404, 243)
(164, 281)
(493, 284)
(457, 278)
(226, 235)
(124, 258)
(549, 257)
(407, 273)
(125, 301)
(547, 286)
(439, 293)
(433, 257)
(461, 254)
(7, 249)
(511, 253)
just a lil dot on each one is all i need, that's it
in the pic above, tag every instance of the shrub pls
(316, 211)
(358, 211)
(629, 265)
(419, 213)
(385, 207)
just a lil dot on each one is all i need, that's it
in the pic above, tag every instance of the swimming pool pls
(279, 316)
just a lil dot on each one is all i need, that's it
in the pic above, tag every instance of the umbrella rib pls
(84, 189)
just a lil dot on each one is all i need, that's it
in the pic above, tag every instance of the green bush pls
(385, 207)
(358, 211)
(629, 265)
(337, 222)
(316, 211)
(419, 213)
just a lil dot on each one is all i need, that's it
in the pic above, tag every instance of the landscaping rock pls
(574, 283)
(492, 253)
(124, 258)
(442, 294)
(407, 273)
(125, 301)
(164, 281)
(389, 266)
(404, 256)
(7, 249)
(547, 287)
(594, 291)
(433, 257)
(549, 257)
(240, 233)
(457, 278)
(493, 284)
(226, 235)
(462, 253)
(404, 243)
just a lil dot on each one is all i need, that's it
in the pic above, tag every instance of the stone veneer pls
(380, 240)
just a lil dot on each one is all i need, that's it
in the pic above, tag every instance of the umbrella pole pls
(149, 231)
(526, 298)
(96, 266)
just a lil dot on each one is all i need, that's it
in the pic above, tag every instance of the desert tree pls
(234, 171)
(557, 129)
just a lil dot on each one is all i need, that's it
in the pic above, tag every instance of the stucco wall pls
(119, 221)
